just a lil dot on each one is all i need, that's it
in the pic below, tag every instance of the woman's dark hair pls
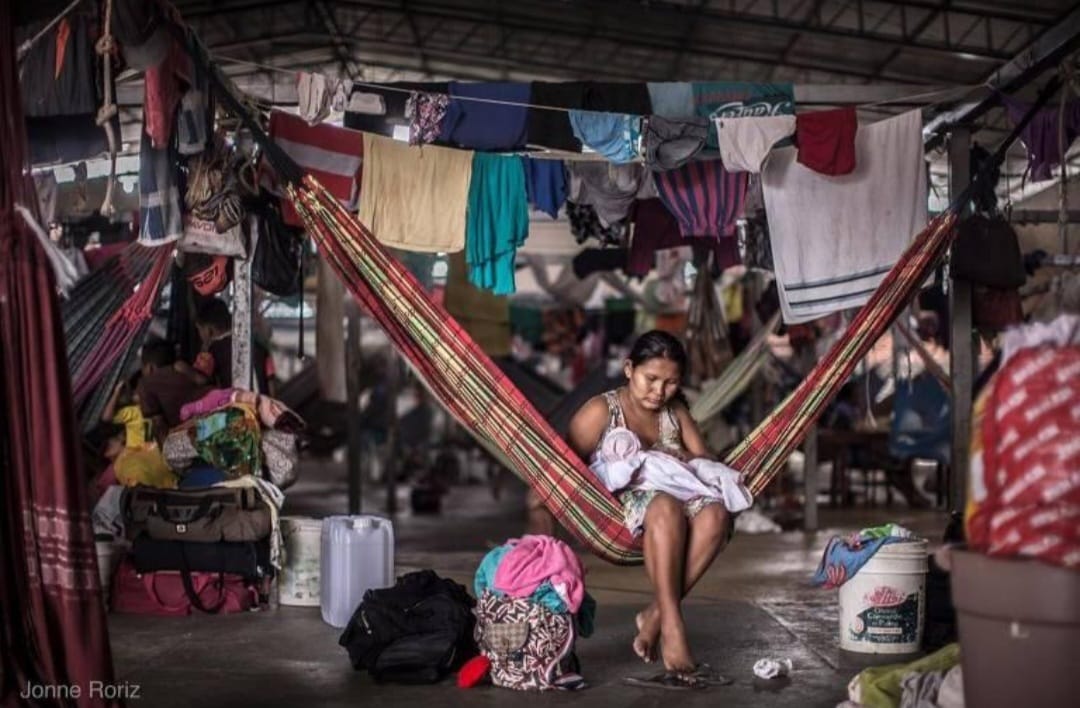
(657, 344)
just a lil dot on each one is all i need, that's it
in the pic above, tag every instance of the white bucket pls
(881, 607)
(299, 580)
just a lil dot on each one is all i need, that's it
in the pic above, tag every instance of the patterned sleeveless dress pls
(636, 501)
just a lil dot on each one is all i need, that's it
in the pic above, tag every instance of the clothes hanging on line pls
(551, 128)
(670, 143)
(314, 92)
(671, 99)
(161, 219)
(613, 135)
(826, 140)
(735, 99)
(705, 198)
(585, 225)
(654, 229)
(834, 238)
(380, 109)
(480, 125)
(426, 112)
(415, 198)
(1041, 136)
(746, 142)
(497, 221)
(610, 189)
(545, 183)
(333, 155)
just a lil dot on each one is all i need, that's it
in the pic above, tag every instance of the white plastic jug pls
(357, 556)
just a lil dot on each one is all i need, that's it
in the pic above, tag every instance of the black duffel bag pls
(204, 515)
(416, 632)
(249, 559)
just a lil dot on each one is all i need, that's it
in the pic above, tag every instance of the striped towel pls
(834, 238)
(703, 197)
(332, 155)
(161, 220)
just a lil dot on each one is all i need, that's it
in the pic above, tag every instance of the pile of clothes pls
(532, 606)
(934, 681)
(845, 555)
(201, 511)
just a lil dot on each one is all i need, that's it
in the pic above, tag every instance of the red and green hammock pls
(482, 399)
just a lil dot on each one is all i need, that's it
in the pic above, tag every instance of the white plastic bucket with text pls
(881, 607)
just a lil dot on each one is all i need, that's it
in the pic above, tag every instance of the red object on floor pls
(473, 672)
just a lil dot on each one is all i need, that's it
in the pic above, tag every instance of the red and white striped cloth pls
(332, 155)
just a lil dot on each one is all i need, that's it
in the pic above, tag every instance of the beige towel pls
(414, 198)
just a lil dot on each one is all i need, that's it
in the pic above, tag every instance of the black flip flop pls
(711, 676)
(669, 680)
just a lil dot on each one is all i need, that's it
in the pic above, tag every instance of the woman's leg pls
(665, 554)
(708, 534)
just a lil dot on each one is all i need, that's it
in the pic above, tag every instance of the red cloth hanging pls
(53, 630)
(826, 140)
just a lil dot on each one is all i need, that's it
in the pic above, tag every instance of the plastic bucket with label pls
(299, 580)
(881, 607)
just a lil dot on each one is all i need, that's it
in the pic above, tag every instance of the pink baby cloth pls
(534, 560)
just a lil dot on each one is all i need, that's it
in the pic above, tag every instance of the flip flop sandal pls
(711, 676)
(669, 680)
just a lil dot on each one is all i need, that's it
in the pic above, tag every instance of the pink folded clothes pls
(210, 402)
(620, 463)
(534, 560)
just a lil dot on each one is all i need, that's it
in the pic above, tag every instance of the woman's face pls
(653, 382)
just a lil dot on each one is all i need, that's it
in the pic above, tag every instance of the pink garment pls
(210, 402)
(534, 559)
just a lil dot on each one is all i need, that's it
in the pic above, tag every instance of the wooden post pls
(241, 321)
(354, 429)
(961, 336)
(390, 465)
(810, 456)
(330, 334)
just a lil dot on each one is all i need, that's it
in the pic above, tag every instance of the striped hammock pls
(483, 400)
(106, 317)
(717, 394)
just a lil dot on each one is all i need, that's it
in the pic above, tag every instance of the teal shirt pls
(497, 221)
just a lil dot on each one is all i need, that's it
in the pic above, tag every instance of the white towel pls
(834, 238)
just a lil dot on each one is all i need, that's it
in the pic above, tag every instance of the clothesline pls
(562, 109)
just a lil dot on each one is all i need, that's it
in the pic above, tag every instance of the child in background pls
(123, 409)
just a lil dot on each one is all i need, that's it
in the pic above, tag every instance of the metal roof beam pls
(1050, 48)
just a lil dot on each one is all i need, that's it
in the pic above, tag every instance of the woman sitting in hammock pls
(681, 539)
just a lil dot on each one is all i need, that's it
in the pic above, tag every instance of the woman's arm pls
(692, 439)
(586, 427)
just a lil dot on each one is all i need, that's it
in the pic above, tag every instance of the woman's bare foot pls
(648, 626)
(674, 648)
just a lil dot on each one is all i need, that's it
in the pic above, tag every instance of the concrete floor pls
(755, 602)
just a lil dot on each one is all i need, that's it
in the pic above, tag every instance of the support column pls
(354, 429)
(241, 321)
(810, 456)
(330, 334)
(962, 334)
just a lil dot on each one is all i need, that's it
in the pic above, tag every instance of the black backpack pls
(418, 631)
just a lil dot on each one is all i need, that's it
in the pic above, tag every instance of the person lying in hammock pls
(681, 539)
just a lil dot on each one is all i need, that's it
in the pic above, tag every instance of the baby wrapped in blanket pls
(620, 463)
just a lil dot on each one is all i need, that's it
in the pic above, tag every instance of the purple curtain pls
(53, 630)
